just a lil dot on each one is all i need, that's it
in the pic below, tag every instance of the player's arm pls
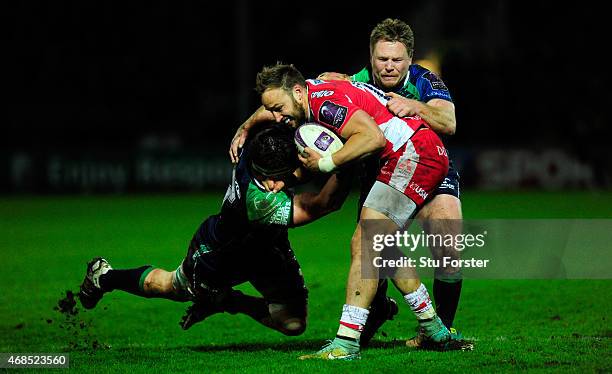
(309, 206)
(260, 115)
(363, 138)
(438, 113)
(362, 76)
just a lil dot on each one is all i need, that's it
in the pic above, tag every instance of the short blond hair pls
(393, 30)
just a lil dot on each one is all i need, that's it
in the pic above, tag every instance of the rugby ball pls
(318, 138)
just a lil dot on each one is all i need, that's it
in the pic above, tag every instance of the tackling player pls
(412, 166)
(414, 90)
(246, 242)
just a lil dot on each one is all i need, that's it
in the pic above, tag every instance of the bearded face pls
(284, 106)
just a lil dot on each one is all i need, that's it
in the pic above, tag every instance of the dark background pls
(111, 81)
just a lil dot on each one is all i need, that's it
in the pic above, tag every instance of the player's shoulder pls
(364, 75)
(418, 72)
(418, 69)
(242, 174)
(318, 84)
(267, 207)
(320, 89)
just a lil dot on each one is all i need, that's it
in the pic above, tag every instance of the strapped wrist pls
(326, 164)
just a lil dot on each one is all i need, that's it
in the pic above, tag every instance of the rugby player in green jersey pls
(414, 90)
(246, 242)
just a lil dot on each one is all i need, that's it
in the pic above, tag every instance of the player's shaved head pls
(393, 30)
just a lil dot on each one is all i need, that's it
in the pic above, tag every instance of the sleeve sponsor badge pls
(332, 114)
(435, 82)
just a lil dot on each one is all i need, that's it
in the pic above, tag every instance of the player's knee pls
(293, 326)
(158, 281)
(441, 207)
(289, 318)
(150, 280)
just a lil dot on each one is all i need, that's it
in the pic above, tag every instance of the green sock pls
(128, 280)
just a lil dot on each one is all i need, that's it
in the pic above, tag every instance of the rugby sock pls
(446, 295)
(351, 323)
(129, 280)
(420, 304)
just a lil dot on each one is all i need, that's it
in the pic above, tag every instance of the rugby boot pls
(90, 291)
(380, 312)
(337, 349)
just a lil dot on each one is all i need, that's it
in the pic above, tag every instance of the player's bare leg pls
(361, 290)
(408, 283)
(158, 283)
(286, 319)
(150, 282)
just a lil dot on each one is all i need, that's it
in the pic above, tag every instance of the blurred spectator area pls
(104, 96)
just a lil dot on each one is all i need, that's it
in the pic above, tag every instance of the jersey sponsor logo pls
(448, 183)
(319, 94)
(273, 211)
(442, 151)
(435, 82)
(281, 216)
(332, 114)
(418, 189)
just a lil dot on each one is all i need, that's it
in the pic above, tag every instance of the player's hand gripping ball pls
(318, 138)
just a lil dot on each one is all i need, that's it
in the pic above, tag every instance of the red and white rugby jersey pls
(332, 103)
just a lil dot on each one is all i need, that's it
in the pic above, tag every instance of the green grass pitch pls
(45, 242)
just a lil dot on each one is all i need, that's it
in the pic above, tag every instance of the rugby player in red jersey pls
(414, 89)
(413, 163)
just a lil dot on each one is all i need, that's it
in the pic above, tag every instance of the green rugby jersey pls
(420, 84)
(249, 214)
